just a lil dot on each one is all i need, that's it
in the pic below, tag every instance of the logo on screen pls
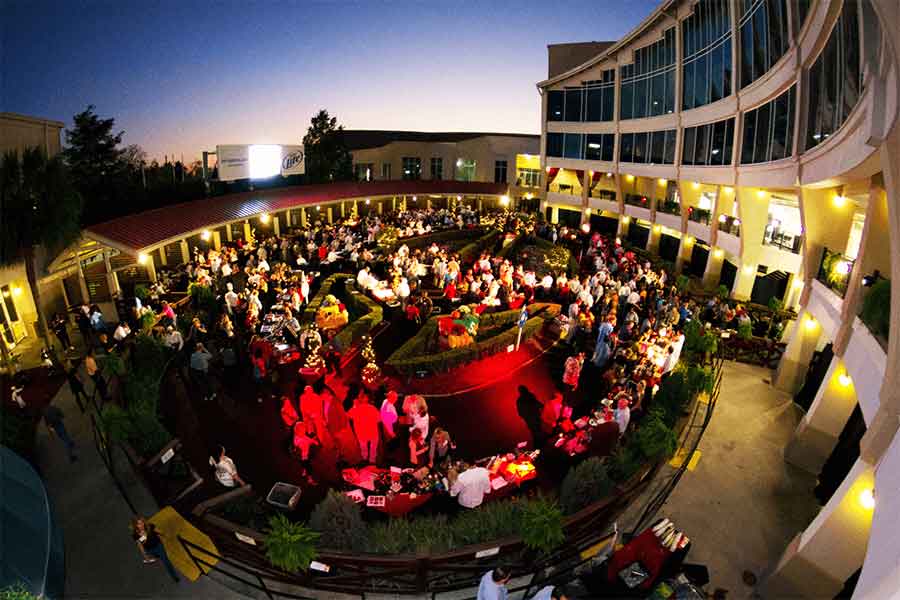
(291, 160)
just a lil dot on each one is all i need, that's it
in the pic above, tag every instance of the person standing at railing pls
(493, 584)
(151, 546)
(551, 592)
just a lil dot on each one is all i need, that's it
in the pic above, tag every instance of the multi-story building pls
(17, 311)
(755, 144)
(504, 158)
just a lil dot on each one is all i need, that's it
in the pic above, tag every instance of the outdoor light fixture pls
(548, 168)
(696, 185)
(318, 207)
(722, 218)
(840, 201)
(459, 162)
(844, 379)
(811, 324)
(368, 201)
(609, 174)
(529, 196)
(718, 253)
(618, 241)
(737, 222)
(867, 498)
(657, 229)
(843, 267)
(748, 269)
(688, 240)
(727, 189)
(626, 218)
(663, 181)
(587, 211)
(414, 199)
(5, 294)
(798, 283)
(17, 291)
(760, 194)
(458, 198)
(504, 200)
(205, 235)
(142, 258)
(629, 178)
(870, 280)
(264, 218)
(585, 227)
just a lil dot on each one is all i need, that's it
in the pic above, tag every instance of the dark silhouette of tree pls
(96, 164)
(327, 158)
(39, 206)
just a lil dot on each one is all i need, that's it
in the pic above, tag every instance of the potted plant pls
(585, 484)
(542, 525)
(339, 520)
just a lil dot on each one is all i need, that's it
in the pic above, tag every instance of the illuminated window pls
(412, 168)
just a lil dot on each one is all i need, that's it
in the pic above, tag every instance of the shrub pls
(141, 292)
(723, 292)
(655, 438)
(111, 365)
(202, 296)
(17, 433)
(340, 522)
(682, 283)
(415, 534)
(776, 304)
(290, 546)
(542, 524)
(585, 484)
(699, 379)
(17, 592)
(624, 463)
(491, 521)
(470, 252)
(745, 330)
(876, 308)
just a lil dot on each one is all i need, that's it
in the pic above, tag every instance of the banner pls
(259, 161)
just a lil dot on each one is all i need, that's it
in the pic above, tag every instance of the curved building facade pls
(755, 144)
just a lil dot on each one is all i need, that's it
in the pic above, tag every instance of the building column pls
(554, 214)
(821, 558)
(82, 282)
(743, 282)
(653, 239)
(685, 248)
(817, 433)
(799, 351)
(217, 240)
(330, 213)
(276, 224)
(380, 207)
(624, 220)
(247, 230)
(151, 271)
(585, 202)
(713, 271)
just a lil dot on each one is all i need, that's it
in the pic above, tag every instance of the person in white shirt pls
(174, 340)
(470, 486)
(670, 361)
(403, 292)
(264, 265)
(231, 298)
(493, 584)
(634, 298)
(389, 416)
(226, 270)
(551, 593)
(226, 471)
(121, 332)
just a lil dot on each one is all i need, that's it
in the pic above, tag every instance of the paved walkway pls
(742, 503)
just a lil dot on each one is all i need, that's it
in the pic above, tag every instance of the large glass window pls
(412, 167)
(835, 79)
(573, 104)
(499, 171)
(572, 145)
(599, 146)
(465, 169)
(764, 37)
(769, 130)
(709, 144)
(529, 178)
(784, 229)
(556, 101)
(654, 147)
(592, 101)
(437, 167)
(706, 39)
(648, 84)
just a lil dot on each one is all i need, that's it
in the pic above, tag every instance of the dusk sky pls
(182, 77)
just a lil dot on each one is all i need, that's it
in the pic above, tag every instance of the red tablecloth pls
(401, 504)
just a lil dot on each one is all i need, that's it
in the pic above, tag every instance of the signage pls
(489, 552)
(259, 161)
(317, 566)
(167, 456)
(245, 538)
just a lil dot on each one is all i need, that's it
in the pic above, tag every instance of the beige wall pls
(18, 132)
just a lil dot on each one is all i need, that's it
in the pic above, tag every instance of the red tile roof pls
(134, 233)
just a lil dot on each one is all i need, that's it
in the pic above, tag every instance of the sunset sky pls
(183, 77)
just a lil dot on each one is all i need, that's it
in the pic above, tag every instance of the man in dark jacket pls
(529, 409)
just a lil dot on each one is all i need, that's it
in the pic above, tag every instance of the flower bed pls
(365, 313)
(539, 255)
(412, 357)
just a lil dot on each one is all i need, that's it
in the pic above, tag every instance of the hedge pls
(470, 252)
(514, 248)
(309, 313)
(411, 357)
(440, 237)
(371, 314)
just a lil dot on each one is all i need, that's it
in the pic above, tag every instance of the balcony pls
(699, 215)
(670, 207)
(565, 188)
(730, 225)
(834, 271)
(783, 240)
(637, 200)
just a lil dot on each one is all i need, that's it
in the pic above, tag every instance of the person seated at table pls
(470, 486)
(303, 440)
(622, 413)
(551, 414)
(417, 447)
(440, 447)
(420, 419)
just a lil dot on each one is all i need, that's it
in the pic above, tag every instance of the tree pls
(38, 207)
(327, 157)
(97, 165)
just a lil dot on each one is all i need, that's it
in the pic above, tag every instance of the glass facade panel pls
(573, 105)
(669, 152)
(412, 167)
(609, 144)
(709, 144)
(647, 87)
(706, 38)
(769, 130)
(554, 144)
(640, 147)
(599, 146)
(593, 101)
(626, 147)
(572, 145)
(764, 37)
(555, 103)
(657, 146)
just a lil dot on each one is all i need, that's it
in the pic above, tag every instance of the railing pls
(834, 271)
(731, 225)
(699, 215)
(670, 207)
(565, 188)
(603, 194)
(783, 241)
(637, 200)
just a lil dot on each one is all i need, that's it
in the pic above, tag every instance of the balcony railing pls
(637, 200)
(783, 241)
(670, 207)
(603, 194)
(565, 188)
(730, 225)
(699, 215)
(834, 271)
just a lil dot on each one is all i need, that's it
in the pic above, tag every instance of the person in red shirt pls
(311, 407)
(365, 419)
(450, 290)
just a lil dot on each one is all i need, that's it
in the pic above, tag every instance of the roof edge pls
(31, 119)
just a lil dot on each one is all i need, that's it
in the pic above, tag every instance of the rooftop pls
(360, 139)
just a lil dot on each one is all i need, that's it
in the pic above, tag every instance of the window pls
(599, 146)
(529, 178)
(648, 84)
(769, 130)
(386, 171)
(555, 105)
(554, 144)
(654, 147)
(499, 171)
(572, 145)
(573, 104)
(364, 171)
(412, 167)
(784, 228)
(835, 79)
(764, 37)
(437, 168)
(465, 170)
(9, 303)
(706, 39)
(709, 144)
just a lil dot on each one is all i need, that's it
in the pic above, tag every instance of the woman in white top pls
(226, 471)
